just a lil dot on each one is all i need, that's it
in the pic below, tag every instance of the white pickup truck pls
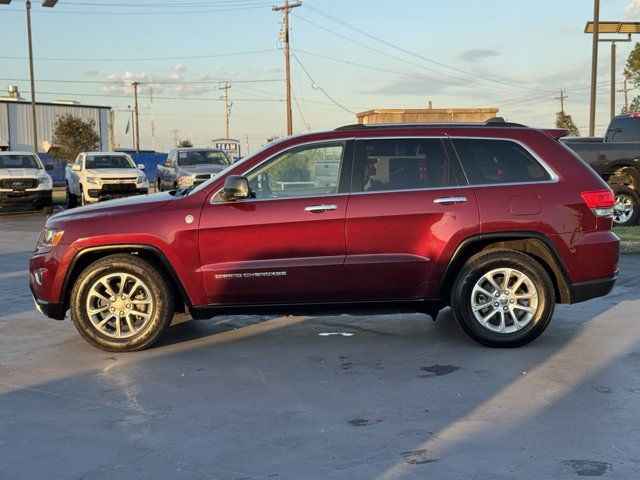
(97, 176)
(24, 181)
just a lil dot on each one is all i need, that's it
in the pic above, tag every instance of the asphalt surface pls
(261, 398)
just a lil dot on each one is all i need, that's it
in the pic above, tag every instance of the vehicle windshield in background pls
(108, 161)
(202, 157)
(18, 161)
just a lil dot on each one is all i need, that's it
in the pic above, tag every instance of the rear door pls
(408, 206)
(288, 243)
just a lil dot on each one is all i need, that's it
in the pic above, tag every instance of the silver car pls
(185, 167)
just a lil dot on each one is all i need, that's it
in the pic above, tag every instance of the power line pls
(317, 87)
(149, 82)
(182, 57)
(409, 52)
(128, 13)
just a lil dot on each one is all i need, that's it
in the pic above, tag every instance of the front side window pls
(300, 172)
(202, 157)
(108, 161)
(490, 161)
(405, 164)
(18, 161)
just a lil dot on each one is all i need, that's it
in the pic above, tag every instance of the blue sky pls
(364, 54)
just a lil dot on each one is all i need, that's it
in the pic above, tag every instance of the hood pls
(21, 172)
(114, 172)
(119, 206)
(198, 169)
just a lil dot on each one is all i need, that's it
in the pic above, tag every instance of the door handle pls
(449, 200)
(320, 208)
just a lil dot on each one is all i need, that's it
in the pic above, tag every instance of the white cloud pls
(633, 8)
(171, 84)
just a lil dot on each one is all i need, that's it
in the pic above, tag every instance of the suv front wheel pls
(121, 303)
(503, 298)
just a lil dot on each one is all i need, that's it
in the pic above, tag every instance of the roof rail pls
(492, 122)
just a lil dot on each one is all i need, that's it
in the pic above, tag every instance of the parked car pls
(186, 167)
(616, 158)
(97, 176)
(498, 221)
(24, 181)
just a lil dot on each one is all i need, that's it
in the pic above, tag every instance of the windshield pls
(108, 161)
(202, 157)
(19, 161)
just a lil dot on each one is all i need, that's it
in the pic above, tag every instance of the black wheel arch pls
(147, 252)
(534, 244)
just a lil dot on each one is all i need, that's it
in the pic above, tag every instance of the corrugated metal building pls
(16, 130)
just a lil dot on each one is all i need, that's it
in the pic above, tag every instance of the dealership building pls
(16, 126)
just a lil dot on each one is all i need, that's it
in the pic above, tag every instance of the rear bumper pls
(581, 292)
(51, 310)
(33, 197)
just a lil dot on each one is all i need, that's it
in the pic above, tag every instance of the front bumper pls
(581, 292)
(51, 310)
(27, 197)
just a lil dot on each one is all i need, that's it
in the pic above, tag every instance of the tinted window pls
(405, 164)
(108, 161)
(301, 172)
(202, 157)
(18, 161)
(624, 130)
(498, 161)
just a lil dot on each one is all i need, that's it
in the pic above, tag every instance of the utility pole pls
(227, 107)
(284, 37)
(561, 98)
(33, 86)
(594, 67)
(130, 110)
(112, 131)
(135, 95)
(625, 90)
(175, 137)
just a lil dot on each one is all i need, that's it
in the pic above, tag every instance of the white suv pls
(24, 180)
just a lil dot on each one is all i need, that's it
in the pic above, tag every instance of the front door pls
(287, 244)
(406, 207)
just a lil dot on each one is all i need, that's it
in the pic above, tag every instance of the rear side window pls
(487, 161)
(624, 130)
(404, 164)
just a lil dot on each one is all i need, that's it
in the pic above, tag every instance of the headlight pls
(43, 180)
(94, 180)
(185, 181)
(142, 179)
(51, 237)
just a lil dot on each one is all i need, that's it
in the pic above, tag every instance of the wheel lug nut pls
(112, 309)
(122, 314)
(505, 308)
(497, 294)
(128, 305)
(123, 297)
(496, 304)
(512, 301)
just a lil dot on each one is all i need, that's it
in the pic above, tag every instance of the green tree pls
(564, 120)
(632, 74)
(72, 135)
(186, 143)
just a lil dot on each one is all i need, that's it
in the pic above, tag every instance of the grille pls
(118, 187)
(19, 183)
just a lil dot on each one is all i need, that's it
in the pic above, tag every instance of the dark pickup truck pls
(616, 158)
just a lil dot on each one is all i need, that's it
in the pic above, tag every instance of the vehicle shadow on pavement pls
(402, 397)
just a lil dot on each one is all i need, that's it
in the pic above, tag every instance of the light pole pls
(623, 28)
(49, 4)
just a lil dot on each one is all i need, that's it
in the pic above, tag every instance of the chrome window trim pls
(271, 157)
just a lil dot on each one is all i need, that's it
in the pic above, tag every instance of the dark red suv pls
(496, 220)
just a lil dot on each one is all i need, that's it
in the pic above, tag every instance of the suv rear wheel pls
(121, 303)
(503, 298)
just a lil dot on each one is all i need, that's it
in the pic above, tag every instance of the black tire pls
(47, 209)
(472, 272)
(161, 311)
(159, 183)
(625, 198)
(72, 200)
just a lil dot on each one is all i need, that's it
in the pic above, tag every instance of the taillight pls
(600, 201)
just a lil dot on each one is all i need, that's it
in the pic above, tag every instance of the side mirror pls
(76, 168)
(48, 167)
(141, 166)
(236, 187)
